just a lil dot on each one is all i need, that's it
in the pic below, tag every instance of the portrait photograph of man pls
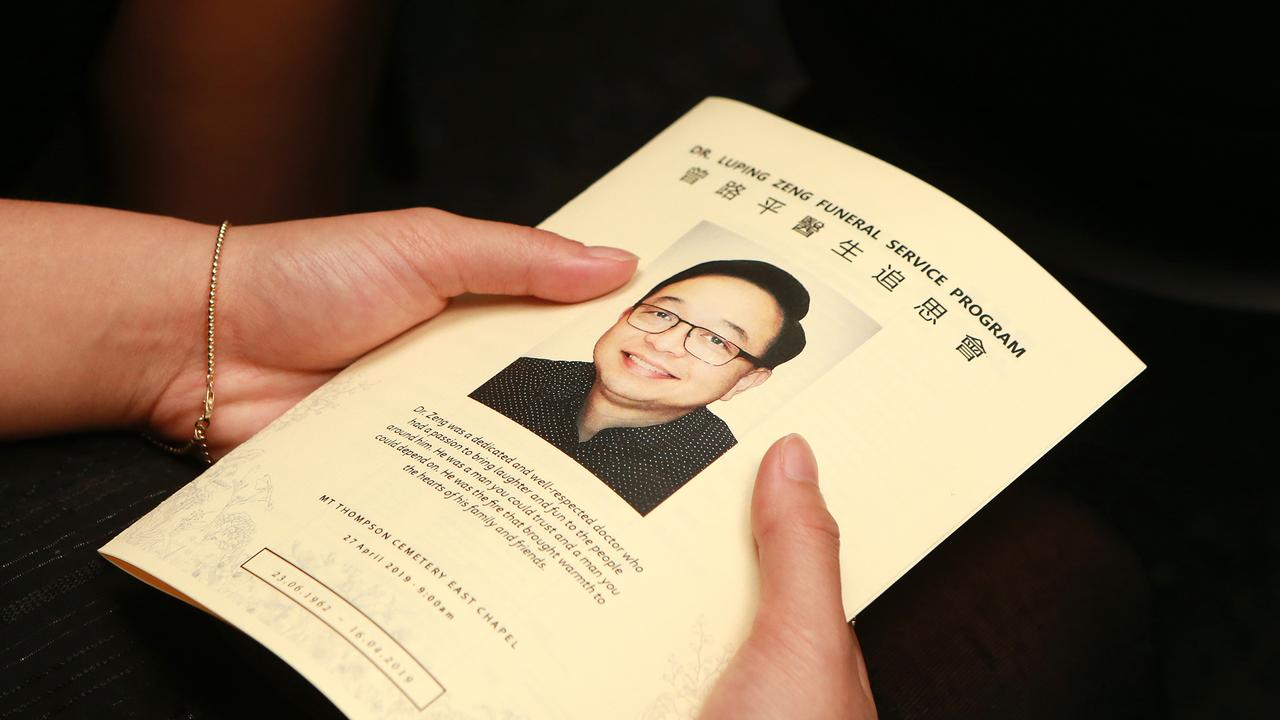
(636, 416)
(641, 414)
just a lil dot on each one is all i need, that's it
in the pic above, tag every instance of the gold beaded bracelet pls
(198, 445)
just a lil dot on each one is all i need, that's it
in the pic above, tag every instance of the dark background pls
(1132, 572)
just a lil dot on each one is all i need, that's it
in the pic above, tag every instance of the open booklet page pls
(529, 510)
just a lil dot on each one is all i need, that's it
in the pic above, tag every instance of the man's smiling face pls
(654, 371)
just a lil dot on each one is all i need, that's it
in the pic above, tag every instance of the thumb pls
(798, 543)
(800, 623)
(800, 660)
(459, 255)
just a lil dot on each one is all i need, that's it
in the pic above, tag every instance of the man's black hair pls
(790, 295)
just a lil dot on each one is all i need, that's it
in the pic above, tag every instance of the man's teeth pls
(646, 365)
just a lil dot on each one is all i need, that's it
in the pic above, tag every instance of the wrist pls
(106, 297)
(174, 339)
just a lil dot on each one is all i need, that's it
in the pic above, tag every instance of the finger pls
(798, 543)
(457, 255)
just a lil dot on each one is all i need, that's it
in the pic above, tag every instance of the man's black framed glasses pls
(699, 342)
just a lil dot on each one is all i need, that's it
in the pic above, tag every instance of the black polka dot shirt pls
(643, 465)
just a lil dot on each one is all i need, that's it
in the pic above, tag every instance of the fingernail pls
(798, 462)
(610, 253)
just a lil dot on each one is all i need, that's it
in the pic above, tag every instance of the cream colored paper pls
(401, 596)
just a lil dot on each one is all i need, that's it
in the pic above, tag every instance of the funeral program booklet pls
(522, 509)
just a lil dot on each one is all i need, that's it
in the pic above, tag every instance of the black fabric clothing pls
(644, 465)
